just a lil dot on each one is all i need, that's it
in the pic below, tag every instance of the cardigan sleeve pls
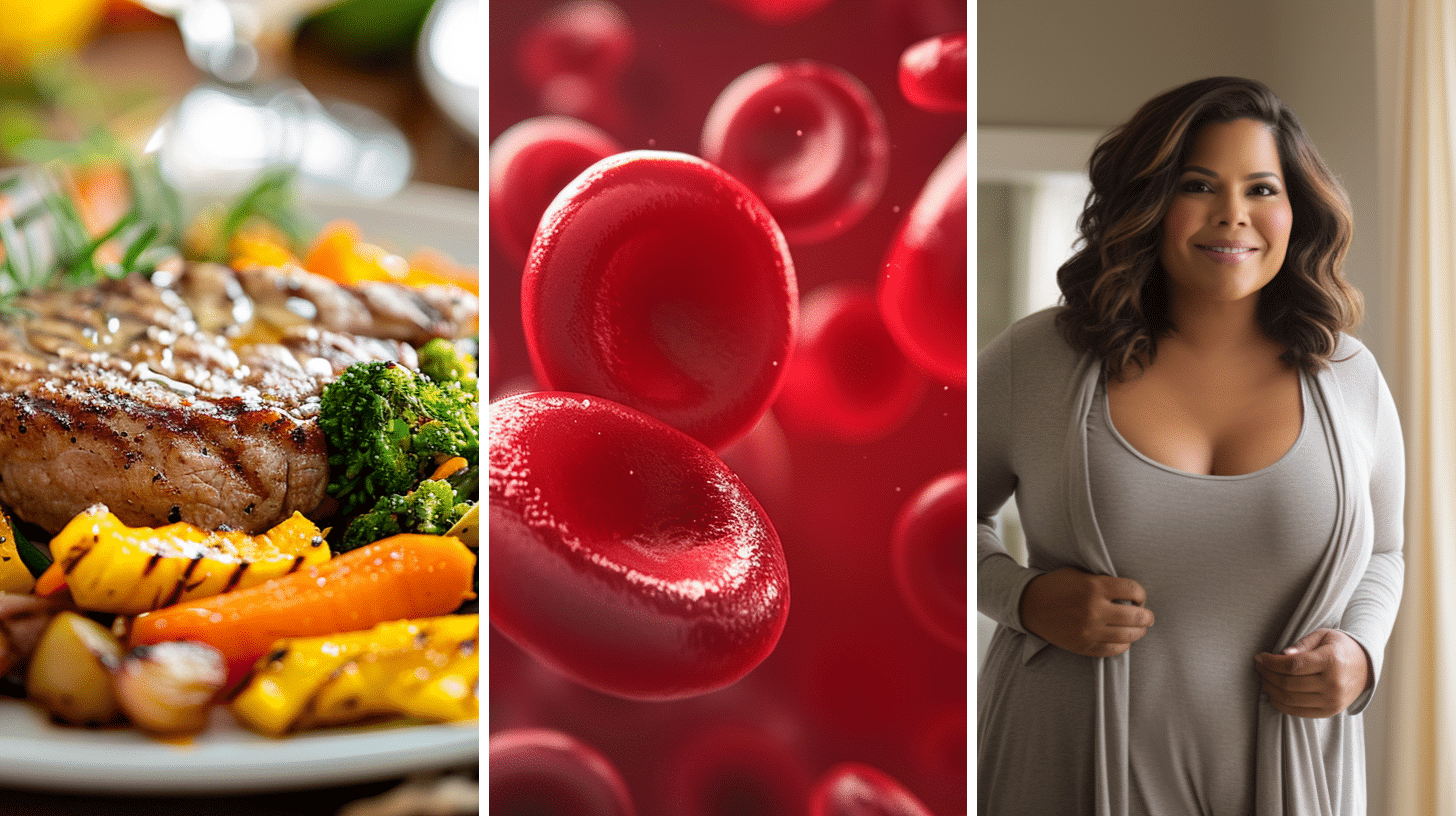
(1370, 615)
(1000, 580)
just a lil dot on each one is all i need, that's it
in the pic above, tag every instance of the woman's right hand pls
(1092, 615)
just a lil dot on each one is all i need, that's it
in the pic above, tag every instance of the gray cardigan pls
(1033, 395)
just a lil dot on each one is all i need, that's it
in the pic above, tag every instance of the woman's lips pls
(1226, 254)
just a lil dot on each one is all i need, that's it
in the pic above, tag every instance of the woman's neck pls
(1214, 327)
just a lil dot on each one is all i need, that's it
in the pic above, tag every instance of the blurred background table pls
(138, 58)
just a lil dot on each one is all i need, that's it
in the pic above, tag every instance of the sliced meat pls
(122, 394)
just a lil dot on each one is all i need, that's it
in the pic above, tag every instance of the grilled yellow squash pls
(426, 668)
(110, 567)
(14, 575)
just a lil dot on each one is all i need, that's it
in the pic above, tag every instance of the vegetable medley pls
(363, 614)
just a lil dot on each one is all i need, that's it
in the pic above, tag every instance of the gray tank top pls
(1224, 561)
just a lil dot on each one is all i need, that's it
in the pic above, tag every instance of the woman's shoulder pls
(1031, 351)
(1035, 331)
(1034, 340)
(1353, 360)
(1362, 386)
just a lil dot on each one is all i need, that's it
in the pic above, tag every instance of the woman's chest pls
(1206, 543)
(1213, 423)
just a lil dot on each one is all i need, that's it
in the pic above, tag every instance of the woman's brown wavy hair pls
(1114, 287)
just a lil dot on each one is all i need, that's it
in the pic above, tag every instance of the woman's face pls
(1226, 231)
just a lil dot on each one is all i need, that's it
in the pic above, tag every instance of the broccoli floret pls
(432, 508)
(444, 361)
(387, 426)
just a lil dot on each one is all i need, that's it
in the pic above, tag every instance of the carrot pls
(449, 468)
(432, 266)
(403, 576)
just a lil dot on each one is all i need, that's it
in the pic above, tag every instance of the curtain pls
(1416, 52)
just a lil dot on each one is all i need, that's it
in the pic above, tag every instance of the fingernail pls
(1291, 650)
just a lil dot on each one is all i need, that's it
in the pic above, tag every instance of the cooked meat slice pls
(418, 314)
(290, 297)
(154, 453)
(286, 297)
(115, 394)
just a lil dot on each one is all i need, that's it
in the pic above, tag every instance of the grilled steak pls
(192, 397)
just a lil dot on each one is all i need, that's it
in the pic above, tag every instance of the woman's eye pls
(1195, 186)
(1264, 190)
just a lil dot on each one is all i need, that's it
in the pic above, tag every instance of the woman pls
(1209, 473)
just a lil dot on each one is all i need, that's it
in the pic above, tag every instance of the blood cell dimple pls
(856, 789)
(624, 553)
(658, 281)
(849, 381)
(732, 768)
(529, 164)
(544, 772)
(928, 553)
(923, 282)
(808, 138)
(933, 73)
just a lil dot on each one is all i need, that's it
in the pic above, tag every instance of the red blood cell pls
(923, 282)
(625, 554)
(736, 768)
(762, 460)
(529, 164)
(849, 381)
(658, 281)
(542, 772)
(574, 56)
(808, 138)
(933, 73)
(778, 12)
(928, 553)
(854, 789)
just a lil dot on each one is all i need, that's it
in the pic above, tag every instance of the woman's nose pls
(1231, 211)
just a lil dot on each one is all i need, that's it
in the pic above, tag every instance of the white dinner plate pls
(227, 758)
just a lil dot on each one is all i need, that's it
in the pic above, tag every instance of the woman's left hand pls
(1319, 676)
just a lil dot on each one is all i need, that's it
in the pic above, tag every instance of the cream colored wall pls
(1091, 63)
(1081, 63)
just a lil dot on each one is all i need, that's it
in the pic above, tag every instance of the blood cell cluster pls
(679, 444)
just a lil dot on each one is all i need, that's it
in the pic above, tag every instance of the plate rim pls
(225, 759)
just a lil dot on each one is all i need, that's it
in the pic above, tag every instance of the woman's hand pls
(1092, 615)
(1319, 676)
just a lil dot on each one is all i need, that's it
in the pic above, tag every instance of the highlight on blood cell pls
(544, 772)
(808, 138)
(923, 281)
(856, 789)
(658, 281)
(933, 73)
(849, 381)
(530, 162)
(777, 12)
(575, 55)
(928, 556)
(625, 554)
